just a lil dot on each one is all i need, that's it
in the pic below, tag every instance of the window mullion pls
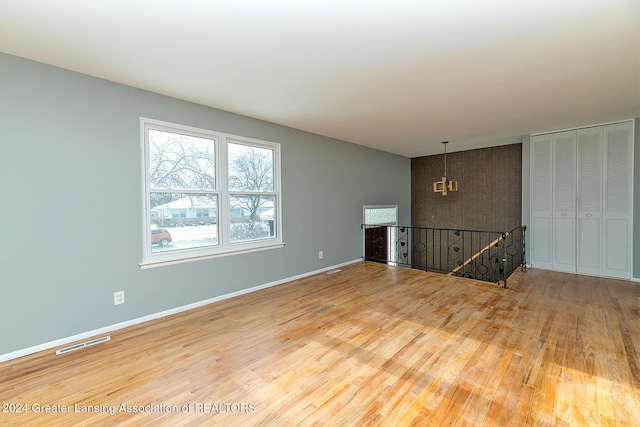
(253, 193)
(183, 191)
(146, 191)
(223, 186)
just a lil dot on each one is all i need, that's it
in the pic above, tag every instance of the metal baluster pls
(504, 260)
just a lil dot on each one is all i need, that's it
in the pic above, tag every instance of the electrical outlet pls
(320, 255)
(118, 298)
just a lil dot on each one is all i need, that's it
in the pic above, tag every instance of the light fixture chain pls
(445, 158)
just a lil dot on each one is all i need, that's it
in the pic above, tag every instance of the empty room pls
(320, 213)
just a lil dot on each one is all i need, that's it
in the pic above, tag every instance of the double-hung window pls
(207, 194)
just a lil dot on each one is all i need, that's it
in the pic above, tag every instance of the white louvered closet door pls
(618, 154)
(541, 201)
(564, 201)
(581, 200)
(589, 227)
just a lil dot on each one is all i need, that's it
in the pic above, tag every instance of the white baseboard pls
(632, 279)
(63, 341)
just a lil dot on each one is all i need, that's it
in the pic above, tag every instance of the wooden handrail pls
(477, 254)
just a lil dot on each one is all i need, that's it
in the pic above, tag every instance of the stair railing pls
(484, 255)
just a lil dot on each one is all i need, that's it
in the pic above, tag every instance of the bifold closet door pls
(541, 201)
(618, 155)
(564, 201)
(581, 200)
(589, 216)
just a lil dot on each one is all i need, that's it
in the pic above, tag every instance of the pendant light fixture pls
(445, 185)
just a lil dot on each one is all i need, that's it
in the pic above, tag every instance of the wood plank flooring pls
(371, 345)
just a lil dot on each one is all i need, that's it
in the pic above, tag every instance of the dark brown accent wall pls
(489, 196)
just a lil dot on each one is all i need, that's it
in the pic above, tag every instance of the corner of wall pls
(526, 180)
(636, 199)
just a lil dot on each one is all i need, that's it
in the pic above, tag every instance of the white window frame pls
(224, 247)
(373, 207)
(391, 236)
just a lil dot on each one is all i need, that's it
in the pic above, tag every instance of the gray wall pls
(71, 217)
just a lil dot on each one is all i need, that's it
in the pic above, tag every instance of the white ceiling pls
(399, 76)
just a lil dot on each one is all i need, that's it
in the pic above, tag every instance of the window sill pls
(186, 257)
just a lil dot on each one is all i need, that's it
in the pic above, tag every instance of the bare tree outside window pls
(181, 161)
(250, 171)
(182, 178)
(251, 184)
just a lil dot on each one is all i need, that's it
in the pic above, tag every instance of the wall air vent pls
(82, 345)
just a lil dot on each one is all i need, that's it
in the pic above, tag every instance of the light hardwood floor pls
(371, 345)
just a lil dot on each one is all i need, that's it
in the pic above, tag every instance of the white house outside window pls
(207, 194)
